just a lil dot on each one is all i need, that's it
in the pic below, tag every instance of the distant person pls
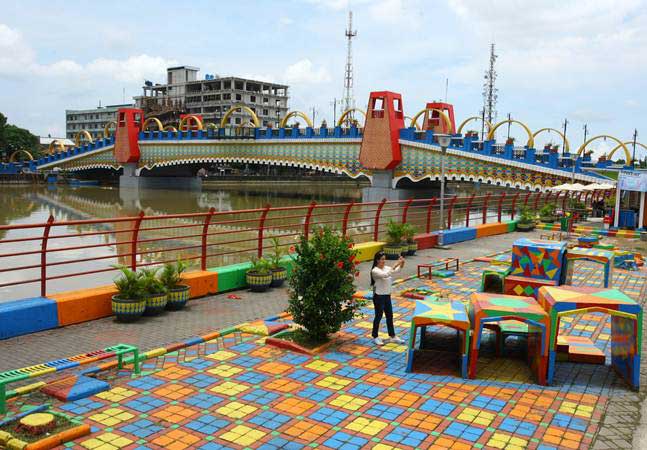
(202, 173)
(382, 284)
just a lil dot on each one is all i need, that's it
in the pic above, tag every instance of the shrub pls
(171, 275)
(394, 232)
(321, 285)
(260, 266)
(277, 254)
(151, 285)
(548, 210)
(408, 231)
(129, 285)
(525, 215)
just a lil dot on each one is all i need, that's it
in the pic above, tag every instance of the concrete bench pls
(456, 235)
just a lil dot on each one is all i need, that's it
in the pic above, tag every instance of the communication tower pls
(349, 101)
(490, 92)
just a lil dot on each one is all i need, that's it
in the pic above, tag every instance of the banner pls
(633, 181)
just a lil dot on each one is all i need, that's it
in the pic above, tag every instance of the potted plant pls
(171, 278)
(129, 304)
(547, 213)
(259, 276)
(509, 141)
(393, 248)
(279, 273)
(526, 220)
(408, 231)
(153, 290)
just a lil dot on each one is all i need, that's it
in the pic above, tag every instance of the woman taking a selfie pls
(382, 284)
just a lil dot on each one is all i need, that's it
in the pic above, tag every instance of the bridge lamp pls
(443, 140)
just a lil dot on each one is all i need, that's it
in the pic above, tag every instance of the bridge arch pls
(106, 129)
(247, 109)
(170, 128)
(154, 120)
(531, 139)
(441, 113)
(347, 112)
(487, 123)
(186, 121)
(291, 114)
(411, 123)
(615, 149)
(85, 134)
(567, 145)
(628, 159)
(12, 158)
(55, 143)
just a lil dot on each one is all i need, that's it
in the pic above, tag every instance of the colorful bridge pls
(384, 143)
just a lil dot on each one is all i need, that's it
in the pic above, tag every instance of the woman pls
(382, 283)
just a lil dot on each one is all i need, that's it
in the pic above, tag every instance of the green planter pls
(547, 219)
(412, 247)
(279, 276)
(155, 304)
(127, 310)
(525, 226)
(176, 298)
(393, 251)
(258, 282)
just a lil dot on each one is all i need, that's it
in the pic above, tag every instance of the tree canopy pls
(13, 138)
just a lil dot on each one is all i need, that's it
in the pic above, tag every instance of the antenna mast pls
(349, 101)
(490, 92)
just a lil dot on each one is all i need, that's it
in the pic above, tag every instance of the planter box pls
(491, 229)
(456, 235)
(426, 240)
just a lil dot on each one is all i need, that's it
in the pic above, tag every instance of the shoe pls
(396, 340)
(378, 341)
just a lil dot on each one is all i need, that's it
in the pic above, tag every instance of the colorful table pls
(493, 308)
(538, 259)
(626, 323)
(604, 257)
(492, 278)
(451, 314)
(588, 241)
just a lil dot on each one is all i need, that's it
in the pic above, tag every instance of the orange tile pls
(294, 406)
(174, 372)
(366, 363)
(274, 368)
(306, 430)
(422, 421)
(383, 379)
(401, 398)
(283, 385)
(174, 391)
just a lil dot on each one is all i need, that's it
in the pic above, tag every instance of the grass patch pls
(301, 338)
(62, 423)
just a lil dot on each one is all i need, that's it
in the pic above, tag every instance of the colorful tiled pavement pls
(236, 392)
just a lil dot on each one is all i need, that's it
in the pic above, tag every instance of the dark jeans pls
(382, 305)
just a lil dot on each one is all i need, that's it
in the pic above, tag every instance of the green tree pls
(13, 138)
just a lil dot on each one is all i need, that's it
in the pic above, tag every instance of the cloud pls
(285, 21)
(304, 71)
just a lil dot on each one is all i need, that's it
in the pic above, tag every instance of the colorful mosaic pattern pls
(604, 257)
(626, 323)
(538, 259)
(105, 158)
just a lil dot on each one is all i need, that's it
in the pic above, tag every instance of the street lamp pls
(443, 140)
(574, 156)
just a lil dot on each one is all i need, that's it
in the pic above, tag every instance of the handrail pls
(208, 238)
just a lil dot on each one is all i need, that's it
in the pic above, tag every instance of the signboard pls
(633, 181)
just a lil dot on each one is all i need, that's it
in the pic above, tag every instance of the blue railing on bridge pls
(254, 133)
(31, 166)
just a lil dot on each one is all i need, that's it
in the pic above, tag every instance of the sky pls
(581, 60)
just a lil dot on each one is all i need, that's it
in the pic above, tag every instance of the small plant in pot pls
(393, 248)
(259, 276)
(526, 220)
(171, 278)
(547, 213)
(408, 232)
(154, 291)
(279, 273)
(129, 304)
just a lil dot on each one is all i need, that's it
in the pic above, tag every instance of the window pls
(217, 97)
(265, 112)
(239, 97)
(266, 101)
(226, 96)
(237, 120)
(239, 85)
(252, 98)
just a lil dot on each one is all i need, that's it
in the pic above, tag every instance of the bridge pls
(381, 146)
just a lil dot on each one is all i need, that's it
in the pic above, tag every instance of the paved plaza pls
(238, 392)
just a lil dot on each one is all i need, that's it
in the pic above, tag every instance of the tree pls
(13, 138)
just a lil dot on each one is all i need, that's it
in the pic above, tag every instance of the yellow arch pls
(237, 106)
(12, 158)
(567, 146)
(209, 125)
(154, 120)
(57, 143)
(170, 128)
(620, 144)
(106, 129)
(531, 139)
(412, 124)
(626, 143)
(187, 119)
(488, 124)
(441, 113)
(86, 134)
(347, 112)
(291, 114)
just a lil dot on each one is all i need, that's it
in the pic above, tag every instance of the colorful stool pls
(626, 323)
(493, 277)
(588, 241)
(494, 308)
(451, 314)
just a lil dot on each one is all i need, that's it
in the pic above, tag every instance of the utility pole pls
(349, 101)
(633, 157)
(509, 117)
(334, 112)
(564, 137)
(490, 95)
(585, 133)
(483, 125)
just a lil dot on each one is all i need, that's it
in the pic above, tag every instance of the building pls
(212, 97)
(92, 120)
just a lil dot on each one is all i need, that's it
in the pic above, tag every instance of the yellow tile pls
(321, 366)
(348, 402)
(221, 355)
(229, 388)
(334, 383)
(236, 410)
(225, 370)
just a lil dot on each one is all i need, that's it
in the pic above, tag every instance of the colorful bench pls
(604, 257)
(15, 375)
(626, 323)
(445, 264)
(447, 313)
(494, 308)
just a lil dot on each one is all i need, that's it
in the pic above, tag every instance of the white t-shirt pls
(383, 279)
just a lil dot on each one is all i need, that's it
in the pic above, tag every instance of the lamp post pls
(444, 141)
(574, 156)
